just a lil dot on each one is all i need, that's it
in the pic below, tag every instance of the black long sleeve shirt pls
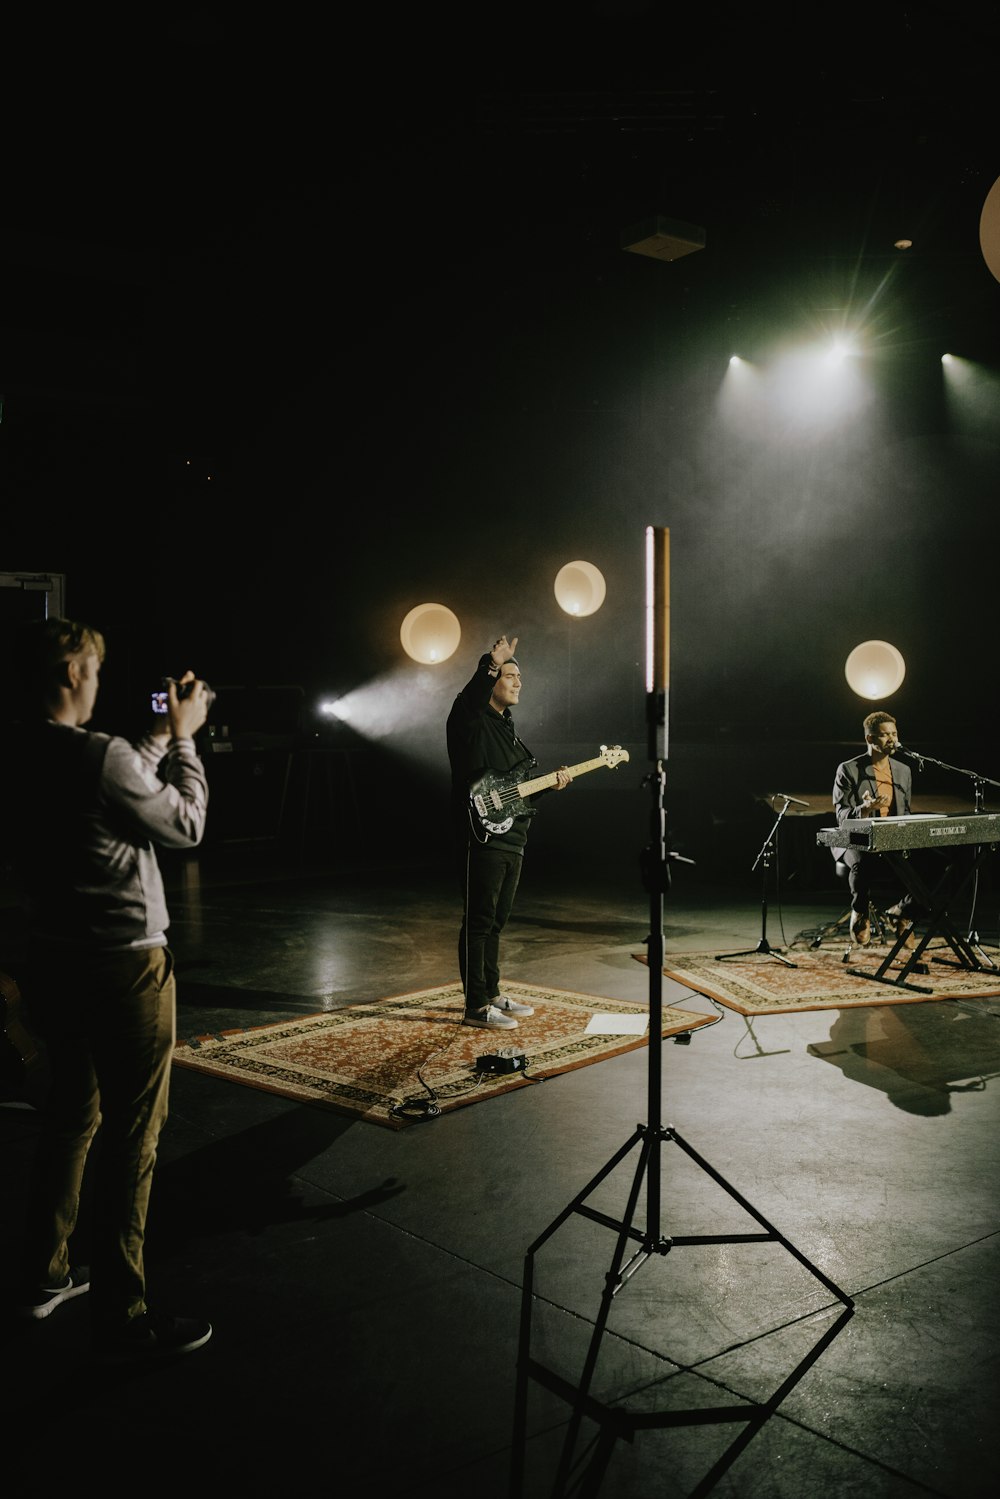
(480, 740)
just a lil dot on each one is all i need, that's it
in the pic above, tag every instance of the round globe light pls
(580, 588)
(989, 230)
(874, 669)
(430, 633)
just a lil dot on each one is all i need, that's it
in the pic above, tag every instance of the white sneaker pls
(508, 1006)
(491, 1019)
(43, 1301)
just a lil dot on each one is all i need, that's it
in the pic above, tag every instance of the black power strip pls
(507, 1060)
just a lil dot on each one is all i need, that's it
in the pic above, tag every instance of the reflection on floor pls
(366, 1285)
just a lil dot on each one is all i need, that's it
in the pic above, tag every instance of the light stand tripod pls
(651, 1240)
(764, 858)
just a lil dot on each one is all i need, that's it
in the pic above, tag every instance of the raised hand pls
(503, 650)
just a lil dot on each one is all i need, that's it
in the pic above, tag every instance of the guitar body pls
(494, 800)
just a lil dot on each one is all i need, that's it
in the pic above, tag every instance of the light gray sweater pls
(91, 809)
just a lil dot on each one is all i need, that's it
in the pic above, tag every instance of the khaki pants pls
(108, 1025)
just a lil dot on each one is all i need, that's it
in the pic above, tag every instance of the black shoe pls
(43, 1300)
(153, 1335)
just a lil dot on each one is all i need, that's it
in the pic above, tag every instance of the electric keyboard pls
(920, 830)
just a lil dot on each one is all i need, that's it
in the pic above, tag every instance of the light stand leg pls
(612, 1284)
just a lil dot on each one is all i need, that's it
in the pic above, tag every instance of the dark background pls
(307, 321)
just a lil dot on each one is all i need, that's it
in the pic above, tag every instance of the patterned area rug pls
(408, 1058)
(761, 985)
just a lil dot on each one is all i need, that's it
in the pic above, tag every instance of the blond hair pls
(43, 645)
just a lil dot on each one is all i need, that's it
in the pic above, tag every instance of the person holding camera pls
(85, 814)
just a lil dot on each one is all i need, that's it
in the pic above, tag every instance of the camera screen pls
(159, 702)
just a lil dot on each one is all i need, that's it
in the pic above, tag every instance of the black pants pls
(489, 876)
(863, 868)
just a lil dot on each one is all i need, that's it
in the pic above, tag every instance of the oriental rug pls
(408, 1057)
(761, 985)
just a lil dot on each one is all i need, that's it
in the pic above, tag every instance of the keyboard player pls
(873, 785)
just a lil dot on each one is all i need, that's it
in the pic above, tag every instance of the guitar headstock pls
(613, 754)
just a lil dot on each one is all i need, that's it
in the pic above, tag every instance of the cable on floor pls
(421, 1108)
(428, 1108)
(685, 1036)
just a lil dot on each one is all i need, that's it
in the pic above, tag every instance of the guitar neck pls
(528, 788)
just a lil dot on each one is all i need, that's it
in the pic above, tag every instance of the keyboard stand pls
(938, 923)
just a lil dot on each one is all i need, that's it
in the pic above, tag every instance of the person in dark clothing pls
(482, 740)
(873, 785)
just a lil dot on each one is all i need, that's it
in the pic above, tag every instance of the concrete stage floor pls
(365, 1285)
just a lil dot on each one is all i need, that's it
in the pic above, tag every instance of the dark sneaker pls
(153, 1335)
(43, 1301)
(509, 1006)
(491, 1019)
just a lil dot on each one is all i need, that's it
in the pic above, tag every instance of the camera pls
(159, 699)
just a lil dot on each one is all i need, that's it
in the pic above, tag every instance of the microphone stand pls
(763, 946)
(978, 805)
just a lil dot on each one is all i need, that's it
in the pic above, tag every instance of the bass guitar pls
(494, 801)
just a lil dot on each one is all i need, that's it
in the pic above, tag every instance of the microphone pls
(912, 754)
(794, 799)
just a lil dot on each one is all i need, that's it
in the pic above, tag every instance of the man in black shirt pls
(482, 739)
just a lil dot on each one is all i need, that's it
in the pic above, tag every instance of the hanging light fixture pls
(580, 588)
(989, 230)
(874, 669)
(430, 633)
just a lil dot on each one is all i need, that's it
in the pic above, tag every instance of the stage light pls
(874, 669)
(430, 633)
(579, 588)
(657, 639)
(840, 349)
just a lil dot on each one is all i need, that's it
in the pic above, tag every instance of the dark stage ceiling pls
(329, 318)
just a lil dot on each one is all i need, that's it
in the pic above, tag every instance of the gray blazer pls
(853, 779)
